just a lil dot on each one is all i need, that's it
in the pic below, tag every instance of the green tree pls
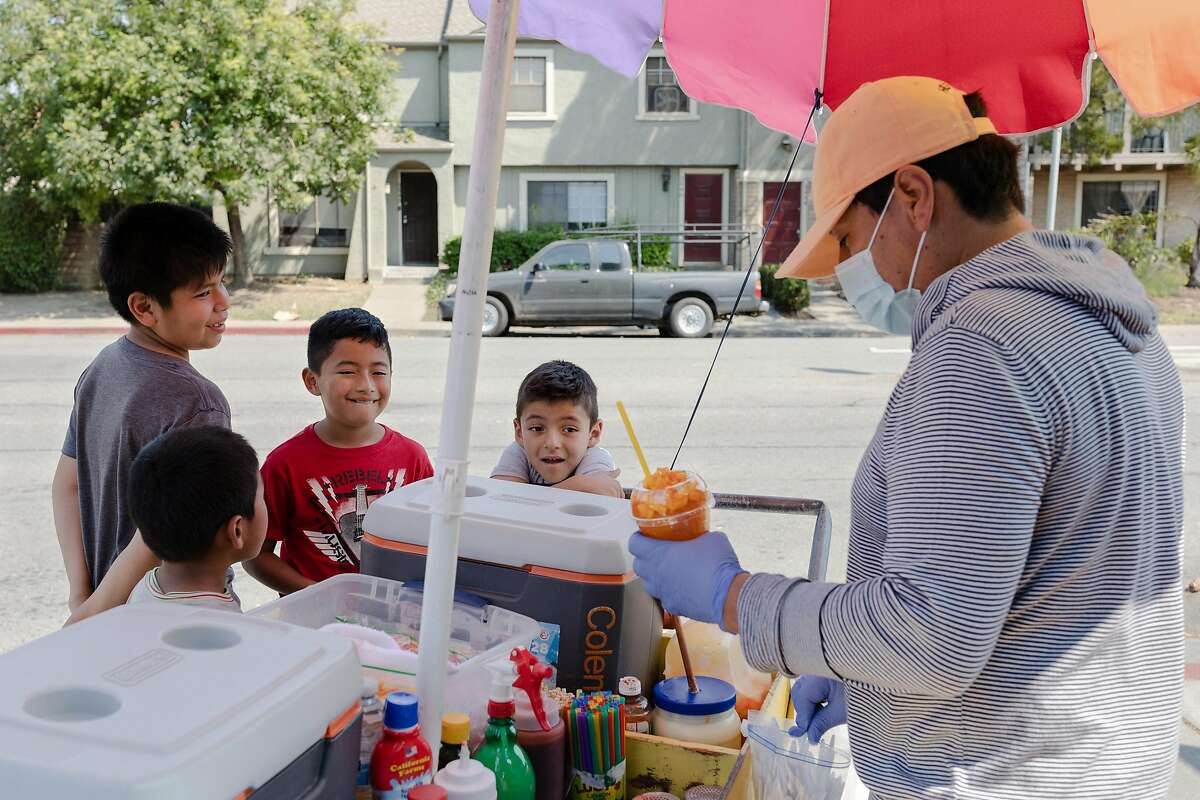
(1099, 133)
(118, 101)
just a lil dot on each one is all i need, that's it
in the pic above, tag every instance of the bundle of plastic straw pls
(596, 725)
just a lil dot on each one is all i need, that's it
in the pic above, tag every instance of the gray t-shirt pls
(126, 397)
(514, 463)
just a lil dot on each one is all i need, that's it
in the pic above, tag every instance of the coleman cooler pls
(161, 702)
(557, 556)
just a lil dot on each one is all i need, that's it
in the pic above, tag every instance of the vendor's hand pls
(691, 579)
(820, 705)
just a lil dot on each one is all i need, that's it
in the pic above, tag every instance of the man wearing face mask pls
(1011, 624)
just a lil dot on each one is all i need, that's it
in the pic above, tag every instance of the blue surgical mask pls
(874, 298)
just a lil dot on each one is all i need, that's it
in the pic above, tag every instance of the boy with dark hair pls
(320, 482)
(557, 428)
(196, 497)
(162, 265)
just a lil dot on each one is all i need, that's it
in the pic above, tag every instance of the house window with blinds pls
(324, 223)
(663, 94)
(574, 205)
(528, 92)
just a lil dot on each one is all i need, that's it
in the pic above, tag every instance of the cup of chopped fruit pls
(672, 504)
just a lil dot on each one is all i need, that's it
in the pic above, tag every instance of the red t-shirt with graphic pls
(317, 496)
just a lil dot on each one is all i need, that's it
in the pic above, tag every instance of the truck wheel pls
(690, 318)
(495, 317)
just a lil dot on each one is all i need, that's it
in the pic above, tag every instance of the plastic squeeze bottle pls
(372, 728)
(464, 779)
(456, 729)
(500, 752)
(543, 735)
(401, 759)
(637, 707)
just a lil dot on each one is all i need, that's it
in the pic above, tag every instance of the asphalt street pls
(782, 416)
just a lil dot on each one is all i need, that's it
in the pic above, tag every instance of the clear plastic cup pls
(676, 508)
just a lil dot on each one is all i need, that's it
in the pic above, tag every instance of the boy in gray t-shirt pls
(162, 265)
(557, 430)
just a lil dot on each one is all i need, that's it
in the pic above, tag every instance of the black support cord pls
(750, 271)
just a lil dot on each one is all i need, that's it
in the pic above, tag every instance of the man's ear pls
(517, 432)
(914, 189)
(310, 382)
(594, 436)
(144, 308)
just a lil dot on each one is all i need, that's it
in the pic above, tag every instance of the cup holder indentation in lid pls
(475, 491)
(584, 510)
(72, 704)
(201, 637)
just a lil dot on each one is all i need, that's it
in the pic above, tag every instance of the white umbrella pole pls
(458, 403)
(1052, 191)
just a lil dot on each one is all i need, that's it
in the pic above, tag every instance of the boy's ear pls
(310, 382)
(517, 432)
(145, 309)
(594, 436)
(232, 532)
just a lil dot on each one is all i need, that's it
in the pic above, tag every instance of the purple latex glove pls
(692, 578)
(820, 705)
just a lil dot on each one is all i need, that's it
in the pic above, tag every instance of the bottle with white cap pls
(466, 779)
(500, 751)
(637, 707)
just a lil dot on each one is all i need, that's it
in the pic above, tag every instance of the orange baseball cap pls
(883, 126)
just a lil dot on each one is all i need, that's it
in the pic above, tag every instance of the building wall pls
(1181, 202)
(415, 82)
(595, 119)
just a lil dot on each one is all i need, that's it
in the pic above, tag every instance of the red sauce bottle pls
(402, 759)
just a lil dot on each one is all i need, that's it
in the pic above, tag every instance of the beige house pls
(1150, 173)
(584, 147)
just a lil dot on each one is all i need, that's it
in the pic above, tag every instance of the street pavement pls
(783, 416)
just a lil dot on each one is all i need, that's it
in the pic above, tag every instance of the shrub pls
(31, 239)
(786, 295)
(509, 248)
(656, 253)
(1134, 237)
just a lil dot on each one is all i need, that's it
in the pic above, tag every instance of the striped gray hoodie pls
(1011, 625)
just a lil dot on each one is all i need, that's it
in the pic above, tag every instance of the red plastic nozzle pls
(530, 674)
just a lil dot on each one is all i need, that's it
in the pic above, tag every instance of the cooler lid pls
(153, 692)
(517, 524)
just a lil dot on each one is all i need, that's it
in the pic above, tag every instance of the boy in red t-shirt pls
(319, 483)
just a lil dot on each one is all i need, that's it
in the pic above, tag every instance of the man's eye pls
(203, 294)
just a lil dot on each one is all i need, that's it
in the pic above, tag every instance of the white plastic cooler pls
(175, 702)
(557, 556)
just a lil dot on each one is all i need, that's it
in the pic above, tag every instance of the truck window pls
(611, 256)
(569, 257)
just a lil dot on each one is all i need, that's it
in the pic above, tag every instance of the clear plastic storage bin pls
(480, 634)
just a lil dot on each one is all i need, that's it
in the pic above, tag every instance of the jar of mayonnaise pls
(706, 717)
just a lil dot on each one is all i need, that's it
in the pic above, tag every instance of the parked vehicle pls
(593, 282)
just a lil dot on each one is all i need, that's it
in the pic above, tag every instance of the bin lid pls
(517, 525)
(715, 696)
(162, 700)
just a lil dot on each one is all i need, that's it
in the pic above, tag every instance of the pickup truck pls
(593, 282)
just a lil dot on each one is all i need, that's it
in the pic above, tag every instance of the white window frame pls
(683, 173)
(549, 114)
(274, 249)
(691, 115)
(1122, 177)
(609, 179)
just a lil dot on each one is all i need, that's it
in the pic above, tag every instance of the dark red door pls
(418, 217)
(702, 195)
(784, 234)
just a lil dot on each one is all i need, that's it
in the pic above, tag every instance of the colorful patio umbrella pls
(770, 57)
(1028, 57)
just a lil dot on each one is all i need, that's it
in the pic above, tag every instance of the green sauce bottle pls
(500, 752)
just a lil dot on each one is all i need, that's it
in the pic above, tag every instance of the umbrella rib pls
(817, 96)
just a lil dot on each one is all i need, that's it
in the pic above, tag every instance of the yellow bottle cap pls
(456, 727)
